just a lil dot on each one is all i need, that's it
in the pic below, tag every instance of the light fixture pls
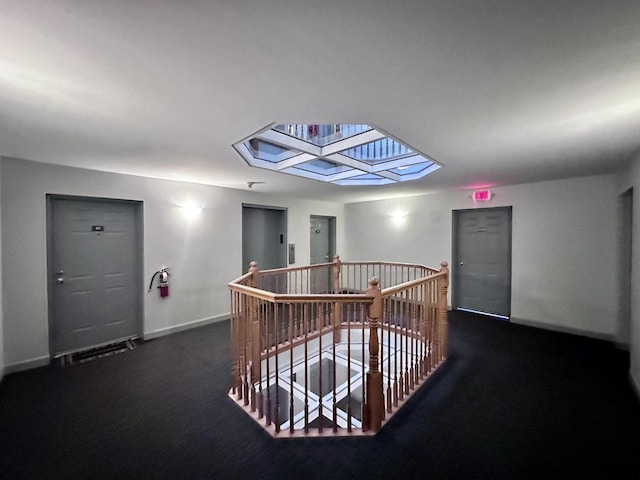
(191, 211)
(398, 217)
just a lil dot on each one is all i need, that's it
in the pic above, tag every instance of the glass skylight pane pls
(379, 151)
(323, 167)
(269, 152)
(366, 176)
(321, 135)
(344, 154)
(411, 169)
(366, 179)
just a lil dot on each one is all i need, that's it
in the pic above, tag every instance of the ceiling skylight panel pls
(344, 154)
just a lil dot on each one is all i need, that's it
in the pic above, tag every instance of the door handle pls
(60, 280)
(461, 263)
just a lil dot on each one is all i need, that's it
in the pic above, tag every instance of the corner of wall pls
(630, 178)
(1, 305)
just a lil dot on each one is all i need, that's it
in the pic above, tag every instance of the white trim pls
(46, 360)
(27, 364)
(563, 329)
(161, 332)
(486, 314)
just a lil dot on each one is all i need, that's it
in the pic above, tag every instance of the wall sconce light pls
(191, 211)
(399, 217)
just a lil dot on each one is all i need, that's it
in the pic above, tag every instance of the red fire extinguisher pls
(163, 279)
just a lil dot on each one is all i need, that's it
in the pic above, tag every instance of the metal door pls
(94, 273)
(624, 271)
(264, 237)
(264, 241)
(322, 241)
(482, 260)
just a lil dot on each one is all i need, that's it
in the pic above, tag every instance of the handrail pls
(241, 279)
(398, 334)
(301, 298)
(386, 292)
(278, 271)
(393, 264)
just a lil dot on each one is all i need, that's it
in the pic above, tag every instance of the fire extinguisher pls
(163, 279)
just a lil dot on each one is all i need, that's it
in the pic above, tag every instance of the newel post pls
(336, 317)
(374, 398)
(336, 268)
(254, 367)
(443, 284)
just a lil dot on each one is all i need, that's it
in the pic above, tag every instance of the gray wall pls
(1, 309)
(631, 178)
(564, 249)
(204, 253)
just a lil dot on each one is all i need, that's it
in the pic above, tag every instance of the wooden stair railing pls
(323, 311)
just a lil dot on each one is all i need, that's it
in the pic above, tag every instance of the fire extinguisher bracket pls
(163, 279)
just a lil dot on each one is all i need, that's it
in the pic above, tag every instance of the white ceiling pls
(499, 92)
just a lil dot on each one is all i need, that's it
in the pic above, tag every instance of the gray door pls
(482, 260)
(94, 273)
(322, 241)
(263, 237)
(624, 270)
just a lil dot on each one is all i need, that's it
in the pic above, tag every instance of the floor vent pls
(98, 352)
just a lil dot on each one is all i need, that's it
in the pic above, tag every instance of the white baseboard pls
(27, 364)
(561, 329)
(161, 332)
(46, 360)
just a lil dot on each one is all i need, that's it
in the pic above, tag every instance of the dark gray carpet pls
(510, 402)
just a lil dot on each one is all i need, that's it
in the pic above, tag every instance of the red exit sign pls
(481, 195)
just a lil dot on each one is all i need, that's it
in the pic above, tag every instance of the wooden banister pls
(406, 285)
(337, 288)
(443, 285)
(384, 340)
(374, 402)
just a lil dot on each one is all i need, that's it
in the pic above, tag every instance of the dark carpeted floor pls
(510, 402)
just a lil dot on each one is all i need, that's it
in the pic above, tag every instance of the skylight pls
(343, 154)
